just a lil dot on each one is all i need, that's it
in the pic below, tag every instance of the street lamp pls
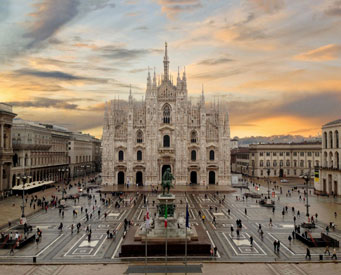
(63, 191)
(306, 178)
(268, 172)
(23, 179)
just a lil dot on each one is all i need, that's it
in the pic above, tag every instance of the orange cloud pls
(324, 53)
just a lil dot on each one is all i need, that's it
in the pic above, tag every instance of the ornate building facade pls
(165, 130)
(330, 172)
(6, 150)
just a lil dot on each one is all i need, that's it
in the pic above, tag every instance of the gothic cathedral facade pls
(141, 139)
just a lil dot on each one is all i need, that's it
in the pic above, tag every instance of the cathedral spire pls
(202, 96)
(130, 95)
(184, 78)
(149, 82)
(166, 64)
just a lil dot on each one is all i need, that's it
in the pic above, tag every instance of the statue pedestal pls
(198, 244)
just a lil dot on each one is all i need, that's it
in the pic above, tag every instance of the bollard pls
(34, 259)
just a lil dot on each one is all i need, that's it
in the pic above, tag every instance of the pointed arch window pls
(194, 137)
(211, 155)
(166, 141)
(139, 136)
(193, 155)
(166, 114)
(121, 156)
(139, 155)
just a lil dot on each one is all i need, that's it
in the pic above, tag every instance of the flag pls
(147, 218)
(187, 216)
(166, 216)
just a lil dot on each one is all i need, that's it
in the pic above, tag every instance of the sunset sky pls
(277, 63)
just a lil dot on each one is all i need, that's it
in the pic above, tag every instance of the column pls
(2, 136)
(1, 168)
(10, 137)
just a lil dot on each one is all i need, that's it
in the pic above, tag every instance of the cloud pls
(49, 17)
(334, 9)
(304, 105)
(215, 61)
(123, 54)
(58, 75)
(268, 6)
(324, 53)
(173, 7)
(41, 102)
(4, 9)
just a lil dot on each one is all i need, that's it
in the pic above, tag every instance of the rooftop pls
(338, 121)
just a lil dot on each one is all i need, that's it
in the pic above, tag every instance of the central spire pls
(166, 64)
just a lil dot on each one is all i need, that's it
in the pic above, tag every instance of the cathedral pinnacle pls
(166, 64)
(130, 95)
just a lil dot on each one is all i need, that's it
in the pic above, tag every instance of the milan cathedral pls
(141, 139)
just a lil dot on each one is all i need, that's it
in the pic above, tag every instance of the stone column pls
(1, 169)
(2, 136)
(10, 137)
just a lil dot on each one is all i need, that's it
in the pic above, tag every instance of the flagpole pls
(166, 235)
(186, 240)
(145, 260)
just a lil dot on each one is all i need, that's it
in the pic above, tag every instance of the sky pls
(276, 64)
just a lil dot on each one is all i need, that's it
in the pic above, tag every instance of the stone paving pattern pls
(207, 268)
(64, 247)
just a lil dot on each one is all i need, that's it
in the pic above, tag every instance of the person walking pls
(278, 245)
(334, 254)
(308, 255)
(245, 212)
(259, 228)
(289, 239)
(270, 222)
(232, 229)
(326, 250)
(275, 245)
(251, 241)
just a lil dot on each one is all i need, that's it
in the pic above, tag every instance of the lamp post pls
(307, 180)
(268, 172)
(63, 191)
(23, 179)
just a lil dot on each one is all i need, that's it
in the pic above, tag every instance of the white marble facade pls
(166, 130)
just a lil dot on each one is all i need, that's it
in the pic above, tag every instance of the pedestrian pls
(251, 241)
(327, 229)
(259, 227)
(326, 250)
(275, 245)
(261, 235)
(232, 229)
(278, 245)
(294, 219)
(273, 210)
(335, 215)
(289, 238)
(308, 255)
(245, 212)
(203, 218)
(71, 228)
(237, 233)
(270, 222)
(334, 254)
